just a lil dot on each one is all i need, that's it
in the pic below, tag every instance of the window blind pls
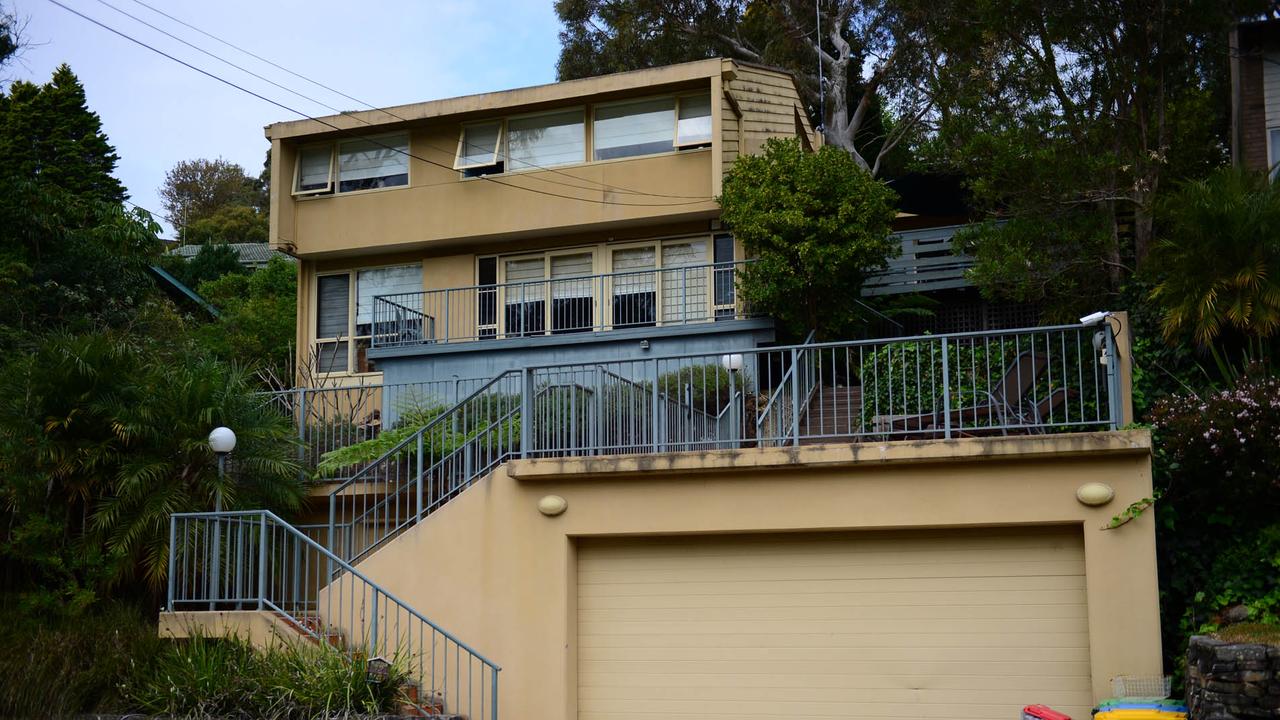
(479, 145)
(332, 303)
(633, 260)
(524, 271)
(564, 267)
(363, 160)
(384, 281)
(314, 165)
(637, 128)
(546, 140)
(694, 126)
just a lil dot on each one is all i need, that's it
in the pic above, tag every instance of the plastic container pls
(1042, 712)
(1150, 714)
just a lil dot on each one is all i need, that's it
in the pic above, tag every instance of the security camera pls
(1094, 318)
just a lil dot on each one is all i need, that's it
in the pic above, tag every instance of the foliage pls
(209, 263)
(1074, 120)
(203, 677)
(705, 388)
(48, 133)
(870, 54)
(228, 224)
(1219, 262)
(102, 436)
(818, 225)
(1216, 522)
(65, 668)
(195, 189)
(257, 325)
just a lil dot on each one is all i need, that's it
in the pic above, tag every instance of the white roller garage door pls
(966, 625)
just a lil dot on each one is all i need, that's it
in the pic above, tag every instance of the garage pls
(960, 625)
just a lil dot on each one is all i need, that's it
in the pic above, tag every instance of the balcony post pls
(1113, 377)
(173, 551)
(795, 397)
(946, 391)
(301, 410)
(262, 560)
(526, 412)
(418, 485)
(444, 334)
(654, 405)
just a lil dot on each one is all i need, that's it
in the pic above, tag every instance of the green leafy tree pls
(258, 321)
(228, 224)
(102, 436)
(1218, 263)
(1069, 120)
(194, 190)
(48, 133)
(817, 223)
(869, 51)
(210, 263)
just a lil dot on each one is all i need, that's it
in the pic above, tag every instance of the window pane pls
(638, 128)
(487, 299)
(684, 291)
(332, 303)
(313, 168)
(695, 120)
(546, 140)
(368, 164)
(571, 266)
(331, 357)
(479, 145)
(724, 270)
(633, 289)
(383, 281)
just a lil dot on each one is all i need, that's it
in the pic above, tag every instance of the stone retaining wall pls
(1230, 681)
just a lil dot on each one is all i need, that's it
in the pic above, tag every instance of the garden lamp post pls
(221, 441)
(733, 363)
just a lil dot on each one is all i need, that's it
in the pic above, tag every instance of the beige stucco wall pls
(493, 570)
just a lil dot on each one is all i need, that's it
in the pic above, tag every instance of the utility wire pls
(345, 131)
(594, 184)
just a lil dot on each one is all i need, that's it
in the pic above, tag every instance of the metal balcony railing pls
(556, 306)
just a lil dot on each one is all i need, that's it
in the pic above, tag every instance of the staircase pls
(253, 560)
(832, 413)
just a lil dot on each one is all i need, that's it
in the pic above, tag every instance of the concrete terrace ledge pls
(1024, 447)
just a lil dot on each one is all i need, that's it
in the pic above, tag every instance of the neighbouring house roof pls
(252, 255)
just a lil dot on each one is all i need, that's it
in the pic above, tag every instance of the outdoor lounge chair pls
(1005, 404)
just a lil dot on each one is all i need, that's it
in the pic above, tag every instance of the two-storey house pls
(611, 493)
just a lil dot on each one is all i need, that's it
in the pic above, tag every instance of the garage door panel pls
(777, 609)
(908, 585)
(589, 601)
(941, 625)
(1033, 657)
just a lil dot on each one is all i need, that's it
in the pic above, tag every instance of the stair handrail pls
(412, 442)
(783, 383)
(272, 550)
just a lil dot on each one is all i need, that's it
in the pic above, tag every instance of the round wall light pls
(552, 505)
(1095, 493)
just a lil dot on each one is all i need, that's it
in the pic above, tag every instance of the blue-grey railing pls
(332, 418)
(555, 306)
(253, 560)
(1034, 380)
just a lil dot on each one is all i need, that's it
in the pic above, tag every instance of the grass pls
(1250, 633)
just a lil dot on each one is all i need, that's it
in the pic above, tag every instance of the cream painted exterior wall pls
(445, 221)
(492, 569)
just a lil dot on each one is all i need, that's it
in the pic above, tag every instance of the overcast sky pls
(384, 52)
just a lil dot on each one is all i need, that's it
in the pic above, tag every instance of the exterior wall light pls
(732, 363)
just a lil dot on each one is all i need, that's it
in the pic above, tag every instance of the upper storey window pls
(545, 140)
(624, 129)
(652, 125)
(364, 164)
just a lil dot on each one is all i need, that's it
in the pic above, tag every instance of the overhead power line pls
(347, 131)
(593, 185)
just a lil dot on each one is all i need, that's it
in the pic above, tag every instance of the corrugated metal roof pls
(251, 254)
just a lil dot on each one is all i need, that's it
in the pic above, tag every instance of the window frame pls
(350, 338)
(408, 160)
(506, 139)
(1273, 169)
(330, 187)
(499, 156)
(675, 123)
(675, 134)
